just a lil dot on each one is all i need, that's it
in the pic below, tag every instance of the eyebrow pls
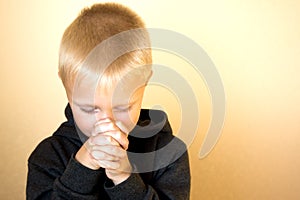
(114, 107)
(83, 105)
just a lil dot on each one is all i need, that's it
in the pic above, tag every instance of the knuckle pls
(111, 125)
(114, 150)
(108, 138)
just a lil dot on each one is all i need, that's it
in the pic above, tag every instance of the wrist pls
(84, 157)
(121, 179)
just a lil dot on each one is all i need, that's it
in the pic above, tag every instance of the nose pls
(104, 114)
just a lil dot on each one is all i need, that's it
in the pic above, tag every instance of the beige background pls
(255, 46)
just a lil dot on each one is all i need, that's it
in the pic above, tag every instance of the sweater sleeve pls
(172, 183)
(49, 178)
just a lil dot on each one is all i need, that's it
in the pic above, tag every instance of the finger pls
(99, 123)
(119, 170)
(115, 151)
(103, 121)
(104, 127)
(100, 155)
(103, 139)
(108, 125)
(88, 145)
(111, 129)
(120, 137)
(109, 164)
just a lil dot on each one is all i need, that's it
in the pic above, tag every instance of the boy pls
(109, 148)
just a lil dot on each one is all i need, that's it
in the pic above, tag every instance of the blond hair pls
(93, 27)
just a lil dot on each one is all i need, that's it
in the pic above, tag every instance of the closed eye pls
(89, 111)
(125, 109)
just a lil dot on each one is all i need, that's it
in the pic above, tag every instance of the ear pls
(149, 77)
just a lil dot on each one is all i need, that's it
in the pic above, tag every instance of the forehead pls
(103, 91)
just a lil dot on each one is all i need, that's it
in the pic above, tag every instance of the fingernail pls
(102, 120)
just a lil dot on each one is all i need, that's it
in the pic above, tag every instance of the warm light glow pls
(255, 46)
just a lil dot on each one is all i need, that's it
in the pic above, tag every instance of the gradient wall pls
(255, 46)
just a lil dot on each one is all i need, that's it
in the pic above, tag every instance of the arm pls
(172, 182)
(52, 174)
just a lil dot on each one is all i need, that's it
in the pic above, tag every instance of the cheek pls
(129, 119)
(85, 122)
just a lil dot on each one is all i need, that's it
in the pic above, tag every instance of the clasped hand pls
(106, 148)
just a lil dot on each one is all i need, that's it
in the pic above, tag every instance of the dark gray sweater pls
(160, 161)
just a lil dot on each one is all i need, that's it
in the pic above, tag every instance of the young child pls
(109, 148)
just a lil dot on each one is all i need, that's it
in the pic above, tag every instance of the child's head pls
(103, 70)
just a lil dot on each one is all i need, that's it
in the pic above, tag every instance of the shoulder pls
(152, 143)
(55, 150)
(155, 125)
(152, 131)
